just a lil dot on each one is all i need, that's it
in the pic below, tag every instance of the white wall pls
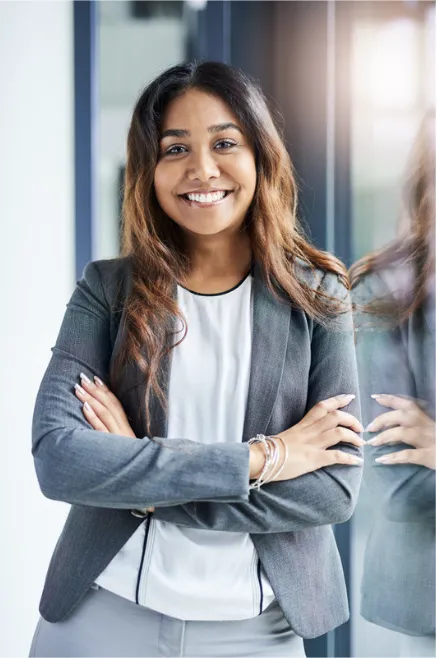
(36, 279)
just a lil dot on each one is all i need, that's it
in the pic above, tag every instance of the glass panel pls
(390, 94)
(392, 89)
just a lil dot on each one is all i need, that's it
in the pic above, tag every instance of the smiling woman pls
(206, 181)
(210, 167)
(208, 448)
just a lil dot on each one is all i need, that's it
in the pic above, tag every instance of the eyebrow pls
(175, 132)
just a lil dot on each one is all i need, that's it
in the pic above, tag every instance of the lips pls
(205, 199)
(185, 195)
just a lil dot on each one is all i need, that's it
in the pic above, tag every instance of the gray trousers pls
(105, 624)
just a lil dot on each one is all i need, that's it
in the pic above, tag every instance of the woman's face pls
(205, 177)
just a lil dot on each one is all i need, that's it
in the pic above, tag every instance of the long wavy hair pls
(154, 242)
(413, 251)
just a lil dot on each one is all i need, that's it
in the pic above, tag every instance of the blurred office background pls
(352, 80)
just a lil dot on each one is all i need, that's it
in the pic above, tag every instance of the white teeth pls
(206, 198)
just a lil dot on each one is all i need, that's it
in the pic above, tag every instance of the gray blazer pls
(398, 584)
(295, 363)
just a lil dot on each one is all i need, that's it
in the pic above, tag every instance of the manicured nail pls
(372, 442)
(383, 460)
(378, 395)
(85, 378)
(98, 381)
(357, 460)
(87, 406)
(346, 397)
(371, 427)
(80, 389)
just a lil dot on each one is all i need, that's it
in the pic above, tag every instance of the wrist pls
(257, 458)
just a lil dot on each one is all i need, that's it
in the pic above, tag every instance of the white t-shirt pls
(188, 573)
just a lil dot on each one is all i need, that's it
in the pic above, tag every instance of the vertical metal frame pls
(339, 122)
(85, 109)
(212, 39)
(342, 134)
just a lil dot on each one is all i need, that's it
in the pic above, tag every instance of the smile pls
(209, 199)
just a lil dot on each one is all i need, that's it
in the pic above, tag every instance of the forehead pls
(197, 109)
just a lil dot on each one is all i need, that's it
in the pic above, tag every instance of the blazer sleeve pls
(81, 466)
(322, 497)
(403, 492)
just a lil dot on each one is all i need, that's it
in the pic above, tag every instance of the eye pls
(176, 149)
(224, 144)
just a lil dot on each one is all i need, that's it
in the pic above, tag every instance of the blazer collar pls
(271, 322)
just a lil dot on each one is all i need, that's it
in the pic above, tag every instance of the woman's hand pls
(101, 408)
(407, 423)
(323, 426)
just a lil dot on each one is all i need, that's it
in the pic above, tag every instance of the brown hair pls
(414, 248)
(154, 242)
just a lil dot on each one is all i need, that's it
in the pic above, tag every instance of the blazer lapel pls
(271, 321)
(270, 333)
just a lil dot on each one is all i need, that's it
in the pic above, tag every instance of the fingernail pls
(357, 460)
(372, 442)
(80, 389)
(371, 427)
(87, 406)
(98, 381)
(85, 378)
(383, 460)
(378, 395)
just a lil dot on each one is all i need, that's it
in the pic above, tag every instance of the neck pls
(216, 256)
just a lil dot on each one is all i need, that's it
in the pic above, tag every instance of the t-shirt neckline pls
(218, 294)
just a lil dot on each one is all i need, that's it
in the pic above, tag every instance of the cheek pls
(158, 179)
(162, 187)
(249, 175)
(248, 170)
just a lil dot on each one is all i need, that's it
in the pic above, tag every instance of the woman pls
(395, 294)
(219, 324)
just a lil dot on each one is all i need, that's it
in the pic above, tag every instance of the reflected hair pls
(413, 250)
(154, 242)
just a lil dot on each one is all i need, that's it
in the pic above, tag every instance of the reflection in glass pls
(382, 131)
(394, 296)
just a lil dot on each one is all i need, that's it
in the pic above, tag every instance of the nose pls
(202, 166)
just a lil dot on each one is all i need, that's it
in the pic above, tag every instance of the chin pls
(208, 230)
(206, 227)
